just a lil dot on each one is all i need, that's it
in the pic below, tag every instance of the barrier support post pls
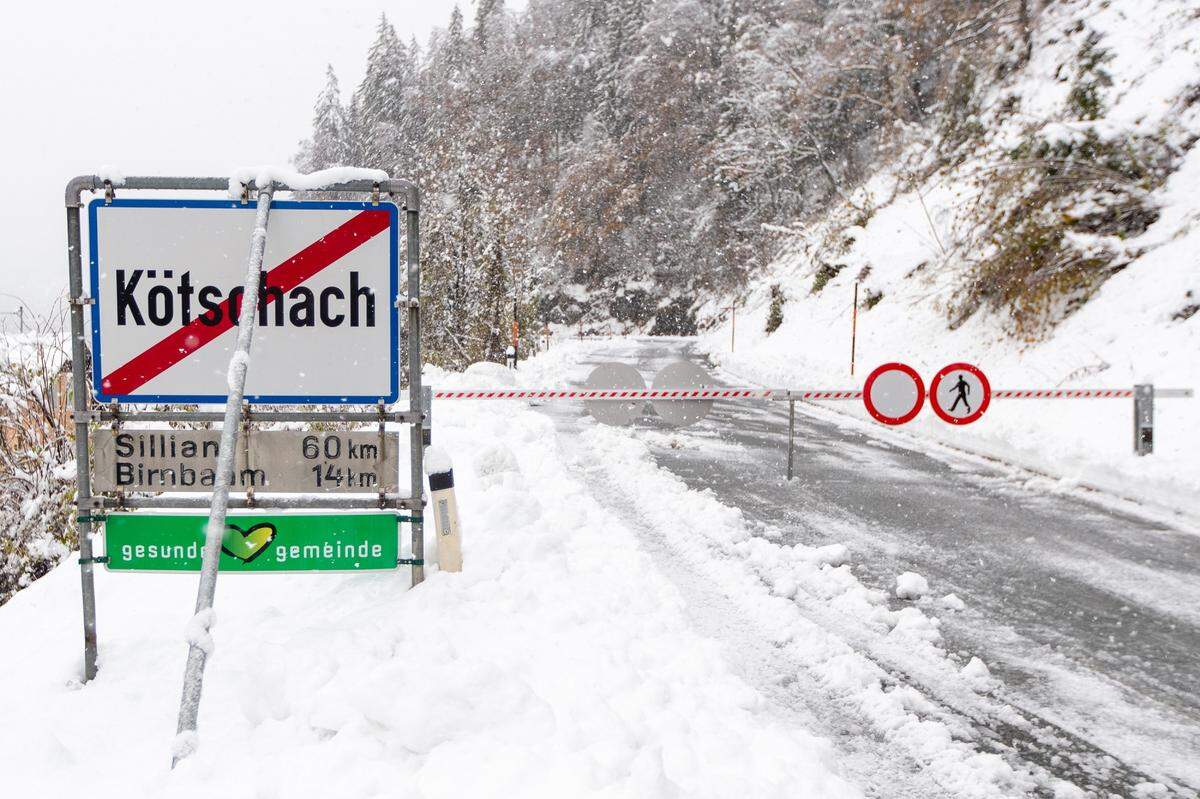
(1143, 419)
(791, 437)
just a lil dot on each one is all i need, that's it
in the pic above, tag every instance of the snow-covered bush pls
(37, 527)
(775, 315)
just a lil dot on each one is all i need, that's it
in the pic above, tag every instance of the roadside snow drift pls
(558, 664)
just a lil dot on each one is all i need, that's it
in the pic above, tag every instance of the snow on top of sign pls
(111, 174)
(262, 175)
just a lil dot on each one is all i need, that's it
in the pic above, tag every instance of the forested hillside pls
(623, 161)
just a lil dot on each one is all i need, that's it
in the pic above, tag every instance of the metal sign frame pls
(391, 310)
(407, 197)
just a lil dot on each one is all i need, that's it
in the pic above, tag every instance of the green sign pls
(253, 543)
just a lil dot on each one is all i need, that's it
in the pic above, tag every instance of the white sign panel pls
(166, 276)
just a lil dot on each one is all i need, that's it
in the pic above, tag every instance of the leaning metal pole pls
(79, 387)
(199, 642)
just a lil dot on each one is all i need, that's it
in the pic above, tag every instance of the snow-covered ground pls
(1129, 332)
(558, 663)
(567, 659)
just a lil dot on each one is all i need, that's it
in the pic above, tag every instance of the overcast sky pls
(154, 87)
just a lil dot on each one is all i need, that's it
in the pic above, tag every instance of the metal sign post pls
(80, 400)
(193, 677)
(416, 407)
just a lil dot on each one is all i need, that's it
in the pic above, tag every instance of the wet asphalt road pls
(1085, 612)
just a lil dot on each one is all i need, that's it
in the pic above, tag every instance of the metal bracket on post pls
(109, 194)
(1143, 419)
(375, 194)
(114, 409)
(245, 423)
(427, 415)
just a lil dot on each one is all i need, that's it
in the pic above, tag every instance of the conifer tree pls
(381, 97)
(328, 144)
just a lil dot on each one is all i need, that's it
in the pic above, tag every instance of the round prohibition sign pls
(960, 385)
(894, 393)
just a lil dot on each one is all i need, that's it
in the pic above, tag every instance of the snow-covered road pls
(1084, 609)
(652, 612)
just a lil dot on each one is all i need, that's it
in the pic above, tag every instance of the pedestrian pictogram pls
(960, 393)
(893, 393)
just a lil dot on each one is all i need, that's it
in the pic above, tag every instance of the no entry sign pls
(960, 393)
(166, 278)
(276, 543)
(893, 393)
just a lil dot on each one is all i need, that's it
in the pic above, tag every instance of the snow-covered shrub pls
(825, 273)
(675, 317)
(1057, 216)
(775, 316)
(37, 526)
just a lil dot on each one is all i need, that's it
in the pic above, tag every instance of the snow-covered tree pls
(329, 145)
(382, 98)
(642, 151)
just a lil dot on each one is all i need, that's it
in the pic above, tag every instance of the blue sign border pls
(290, 399)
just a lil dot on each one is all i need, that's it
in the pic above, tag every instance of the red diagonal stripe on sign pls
(291, 273)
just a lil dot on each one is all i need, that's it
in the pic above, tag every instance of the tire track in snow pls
(1019, 734)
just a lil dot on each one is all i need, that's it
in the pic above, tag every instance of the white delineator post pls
(199, 640)
(445, 509)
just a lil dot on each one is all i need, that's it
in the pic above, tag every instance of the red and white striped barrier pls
(1064, 393)
(767, 394)
(605, 394)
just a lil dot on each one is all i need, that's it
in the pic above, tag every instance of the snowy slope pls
(558, 663)
(1134, 329)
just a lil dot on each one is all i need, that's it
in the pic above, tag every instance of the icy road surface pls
(1085, 610)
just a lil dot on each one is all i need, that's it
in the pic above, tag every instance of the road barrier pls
(893, 394)
(777, 394)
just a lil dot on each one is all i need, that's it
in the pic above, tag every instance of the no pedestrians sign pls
(166, 276)
(960, 393)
